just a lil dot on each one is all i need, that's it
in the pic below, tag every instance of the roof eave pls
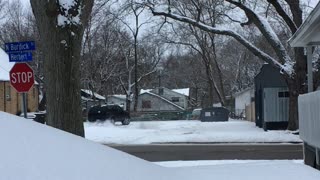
(297, 39)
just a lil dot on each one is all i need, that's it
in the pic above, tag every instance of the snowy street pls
(185, 131)
(221, 151)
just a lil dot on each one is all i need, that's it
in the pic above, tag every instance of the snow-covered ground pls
(32, 151)
(186, 131)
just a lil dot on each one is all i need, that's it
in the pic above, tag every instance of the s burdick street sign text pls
(20, 51)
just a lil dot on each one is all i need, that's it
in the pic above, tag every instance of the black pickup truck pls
(111, 112)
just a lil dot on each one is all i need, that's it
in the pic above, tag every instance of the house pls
(164, 100)
(89, 98)
(243, 103)
(118, 99)
(308, 36)
(10, 99)
(271, 99)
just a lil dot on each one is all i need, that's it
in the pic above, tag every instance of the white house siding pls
(116, 100)
(169, 94)
(242, 100)
(156, 104)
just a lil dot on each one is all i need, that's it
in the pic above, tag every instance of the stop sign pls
(21, 77)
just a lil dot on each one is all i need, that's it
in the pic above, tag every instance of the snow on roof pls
(5, 66)
(98, 96)
(145, 90)
(184, 91)
(119, 96)
(165, 100)
(243, 91)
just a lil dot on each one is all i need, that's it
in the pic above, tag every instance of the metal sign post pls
(24, 97)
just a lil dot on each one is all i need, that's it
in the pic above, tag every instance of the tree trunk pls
(296, 86)
(136, 87)
(293, 123)
(62, 46)
(210, 86)
(128, 105)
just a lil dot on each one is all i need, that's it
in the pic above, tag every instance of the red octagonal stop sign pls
(21, 77)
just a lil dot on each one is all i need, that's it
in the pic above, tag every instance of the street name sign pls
(20, 46)
(20, 51)
(20, 56)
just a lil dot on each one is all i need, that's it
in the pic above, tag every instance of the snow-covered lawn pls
(186, 131)
(32, 151)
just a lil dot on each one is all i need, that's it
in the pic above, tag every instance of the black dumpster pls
(214, 114)
(40, 117)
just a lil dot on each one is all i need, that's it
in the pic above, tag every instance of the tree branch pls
(265, 57)
(265, 28)
(284, 15)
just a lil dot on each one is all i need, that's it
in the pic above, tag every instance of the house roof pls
(119, 96)
(5, 66)
(243, 91)
(96, 95)
(164, 99)
(309, 32)
(184, 91)
(145, 90)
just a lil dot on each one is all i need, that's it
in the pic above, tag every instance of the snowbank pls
(32, 151)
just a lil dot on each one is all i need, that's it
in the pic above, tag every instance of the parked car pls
(112, 112)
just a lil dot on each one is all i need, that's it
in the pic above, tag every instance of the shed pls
(271, 99)
(214, 114)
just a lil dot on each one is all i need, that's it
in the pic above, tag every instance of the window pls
(175, 99)
(146, 104)
(8, 93)
(283, 94)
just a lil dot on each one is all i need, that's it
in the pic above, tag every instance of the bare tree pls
(136, 9)
(100, 60)
(293, 68)
(150, 56)
(61, 25)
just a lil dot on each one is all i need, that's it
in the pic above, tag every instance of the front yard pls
(185, 131)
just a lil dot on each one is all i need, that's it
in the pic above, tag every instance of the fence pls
(309, 118)
(250, 112)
